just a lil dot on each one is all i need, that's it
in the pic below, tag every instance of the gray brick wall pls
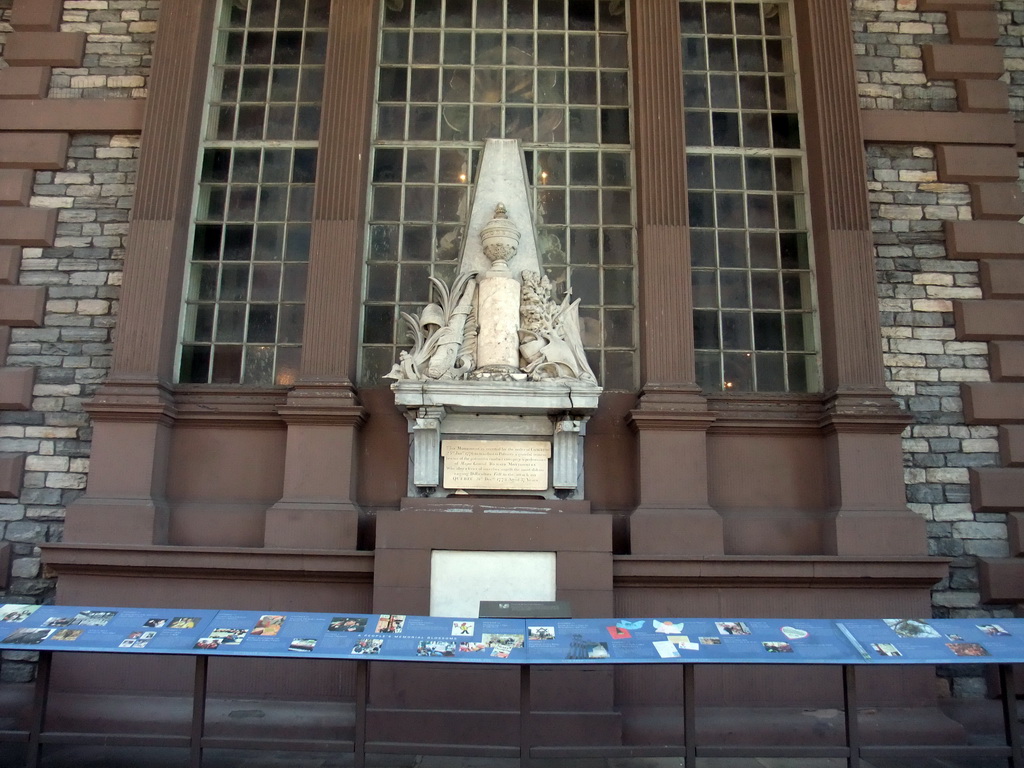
(118, 49)
(1011, 37)
(71, 351)
(888, 35)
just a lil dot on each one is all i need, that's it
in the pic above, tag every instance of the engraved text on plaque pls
(496, 465)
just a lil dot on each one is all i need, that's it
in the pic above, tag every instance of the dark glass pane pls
(755, 130)
(583, 126)
(230, 322)
(582, 51)
(698, 172)
(250, 122)
(728, 172)
(729, 209)
(297, 248)
(203, 329)
(702, 247)
(216, 163)
(752, 92)
(289, 48)
(733, 291)
(423, 123)
(394, 47)
(775, 57)
(581, 14)
(391, 123)
(584, 245)
(391, 84)
(698, 133)
(520, 14)
(615, 126)
(550, 50)
(262, 324)
(254, 84)
(693, 54)
(763, 251)
(732, 251)
(705, 289)
(308, 123)
(617, 246)
(377, 324)
(273, 203)
(748, 18)
(702, 209)
(799, 381)
(227, 365)
(691, 17)
(294, 285)
(793, 246)
(423, 85)
(582, 87)
(615, 169)
(300, 206)
(618, 327)
(387, 202)
(705, 329)
(719, 17)
(381, 280)
(277, 166)
(750, 54)
(759, 172)
(695, 91)
(720, 55)
(269, 242)
(243, 204)
(428, 13)
(786, 131)
(281, 122)
(738, 373)
(584, 206)
(229, 85)
(586, 285)
(419, 204)
(551, 206)
(795, 334)
(238, 242)
(583, 168)
(725, 127)
(459, 13)
(765, 290)
(619, 373)
(618, 287)
(195, 364)
(289, 330)
(206, 242)
(709, 373)
(387, 165)
(291, 14)
(304, 171)
(614, 88)
(767, 331)
(314, 49)
(458, 48)
(735, 330)
(417, 243)
(760, 211)
(258, 47)
(723, 92)
(770, 373)
(266, 282)
(614, 51)
(616, 207)
(234, 282)
(489, 15)
(207, 284)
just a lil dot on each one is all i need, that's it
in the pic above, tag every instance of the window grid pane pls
(552, 74)
(244, 300)
(754, 321)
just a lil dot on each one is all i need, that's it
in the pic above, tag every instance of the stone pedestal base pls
(116, 521)
(295, 525)
(683, 532)
(875, 532)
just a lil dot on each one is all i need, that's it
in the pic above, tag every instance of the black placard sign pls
(525, 609)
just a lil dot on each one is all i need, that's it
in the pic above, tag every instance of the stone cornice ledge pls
(810, 571)
(206, 562)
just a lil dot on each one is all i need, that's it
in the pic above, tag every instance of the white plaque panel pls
(460, 580)
(496, 465)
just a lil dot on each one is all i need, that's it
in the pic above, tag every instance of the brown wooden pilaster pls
(671, 420)
(317, 508)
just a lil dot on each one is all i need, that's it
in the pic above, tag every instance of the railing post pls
(850, 715)
(525, 716)
(39, 702)
(359, 729)
(689, 717)
(198, 713)
(1008, 698)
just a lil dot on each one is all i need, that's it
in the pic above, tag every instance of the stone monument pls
(496, 388)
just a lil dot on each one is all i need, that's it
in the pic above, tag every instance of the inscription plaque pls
(496, 465)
